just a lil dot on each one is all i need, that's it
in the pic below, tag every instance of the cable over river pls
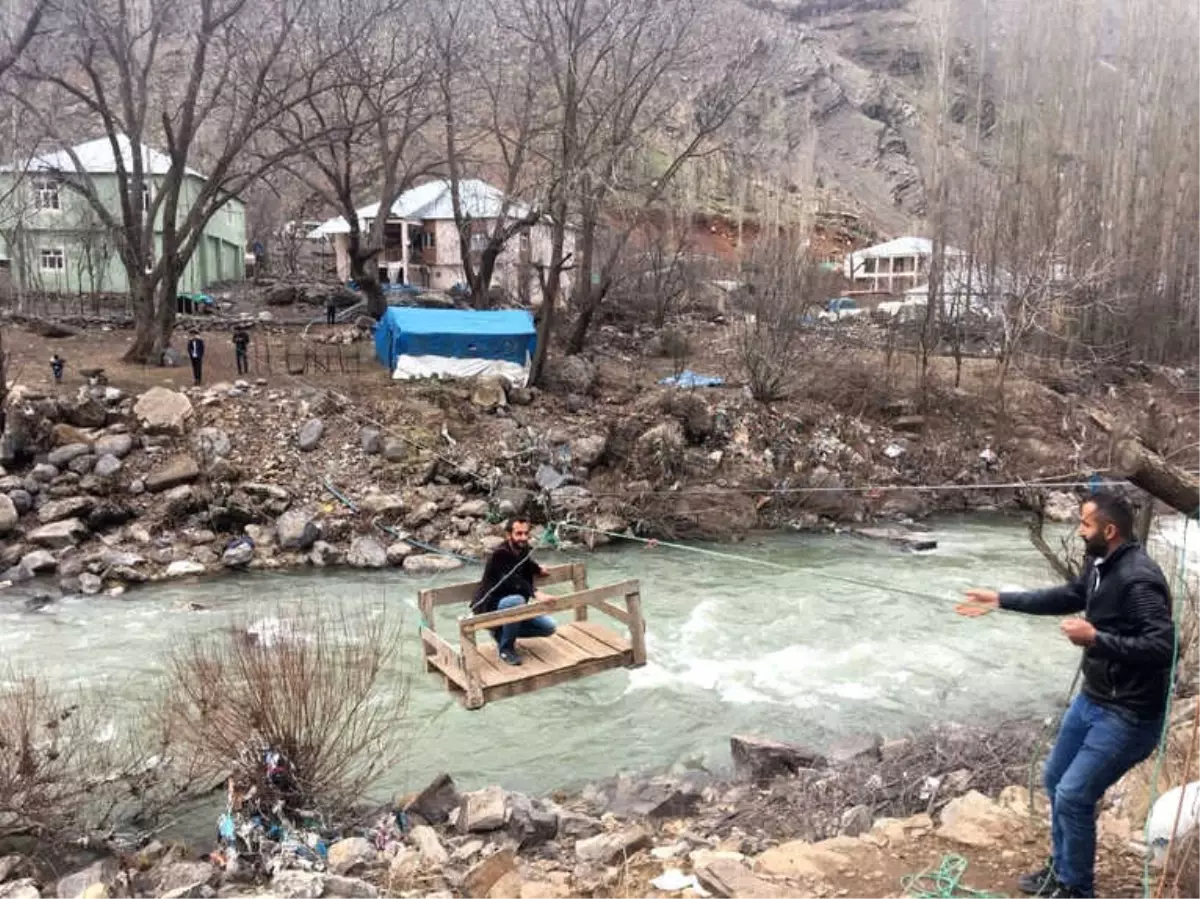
(733, 646)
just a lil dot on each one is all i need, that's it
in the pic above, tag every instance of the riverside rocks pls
(159, 411)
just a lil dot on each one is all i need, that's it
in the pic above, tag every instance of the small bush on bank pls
(67, 769)
(322, 691)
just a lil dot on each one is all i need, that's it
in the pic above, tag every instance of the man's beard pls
(1096, 546)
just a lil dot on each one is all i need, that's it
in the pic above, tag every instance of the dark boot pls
(1040, 882)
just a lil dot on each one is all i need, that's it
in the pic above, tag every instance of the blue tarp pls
(503, 334)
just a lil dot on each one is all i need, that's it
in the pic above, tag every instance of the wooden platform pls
(580, 648)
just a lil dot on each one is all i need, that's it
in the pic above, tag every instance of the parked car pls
(840, 308)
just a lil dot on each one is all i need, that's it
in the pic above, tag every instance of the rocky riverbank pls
(789, 822)
(101, 489)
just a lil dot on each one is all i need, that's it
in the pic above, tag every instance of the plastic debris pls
(689, 380)
(673, 880)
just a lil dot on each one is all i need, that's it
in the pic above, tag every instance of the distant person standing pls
(330, 311)
(195, 351)
(241, 341)
(57, 364)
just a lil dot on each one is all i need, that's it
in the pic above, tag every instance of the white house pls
(895, 266)
(421, 241)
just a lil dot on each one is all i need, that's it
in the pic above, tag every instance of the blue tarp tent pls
(456, 343)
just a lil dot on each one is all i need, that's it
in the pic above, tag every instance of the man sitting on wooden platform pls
(507, 583)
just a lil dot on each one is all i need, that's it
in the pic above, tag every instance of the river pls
(733, 647)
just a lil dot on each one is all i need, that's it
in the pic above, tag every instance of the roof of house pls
(432, 200)
(96, 157)
(902, 246)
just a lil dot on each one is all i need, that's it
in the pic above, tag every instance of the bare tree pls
(616, 72)
(365, 132)
(205, 81)
(491, 111)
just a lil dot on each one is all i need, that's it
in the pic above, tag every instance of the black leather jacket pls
(1126, 598)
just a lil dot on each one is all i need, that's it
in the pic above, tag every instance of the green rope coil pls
(943, 882)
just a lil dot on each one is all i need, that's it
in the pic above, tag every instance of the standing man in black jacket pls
(1128, 641)
(195, 351)
(508, 582)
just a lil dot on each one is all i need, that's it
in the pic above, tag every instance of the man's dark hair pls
(513, 522)
(1114, 509)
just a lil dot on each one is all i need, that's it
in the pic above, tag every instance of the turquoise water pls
(734, 647)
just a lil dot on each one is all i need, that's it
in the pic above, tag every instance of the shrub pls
(323, 690)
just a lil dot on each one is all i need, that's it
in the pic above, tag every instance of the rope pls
(1092, 483)
(943, 882)
(766, 563)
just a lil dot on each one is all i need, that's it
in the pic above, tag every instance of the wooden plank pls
(554, 678)
(503, 673)
(474, 668)
(637, 629)
(604, 635)
(612, 611)
(465, 592)
(553, 651)
(585, 641)
(568, 649)
(578, 585)
(546, 607)
(442, 657)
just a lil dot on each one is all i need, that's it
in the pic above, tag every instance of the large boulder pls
(353, 854)
(173, 473)
(488, 393)
(109, 514)
(376, 503)
(62, 456)
(366, 552)
(760, 759)
(482, 810)
(83, 411)
(573, 374)
(117, 445)
(429, 563)
(212, 443)
(59, 534)
(296, 529)
(310, 434)
(58, 509)
(39, 561)
(184, 568)
(8, 514)
(163, 411)
(611, 848)
(588, 451)
(436, 801)
(107, 466)
(975, 820)
(103, 872)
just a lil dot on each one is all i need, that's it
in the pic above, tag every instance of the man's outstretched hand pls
(1079, 631)
(979, 602)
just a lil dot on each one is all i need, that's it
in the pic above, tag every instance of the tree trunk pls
(142, 349)
(168, 289)
(1174, 486)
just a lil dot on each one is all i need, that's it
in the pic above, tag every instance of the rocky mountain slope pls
(858, 70)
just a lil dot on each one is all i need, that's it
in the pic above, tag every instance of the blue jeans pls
(1095, 746)
(542, 626)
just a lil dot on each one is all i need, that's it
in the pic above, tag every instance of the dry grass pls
(325, 691)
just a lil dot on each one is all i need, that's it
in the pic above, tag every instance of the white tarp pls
(451, 367)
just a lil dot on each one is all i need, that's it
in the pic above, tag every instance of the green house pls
(52, 240)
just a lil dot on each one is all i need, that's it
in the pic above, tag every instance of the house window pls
(45, 195)
(52, 260)
(869, 265)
